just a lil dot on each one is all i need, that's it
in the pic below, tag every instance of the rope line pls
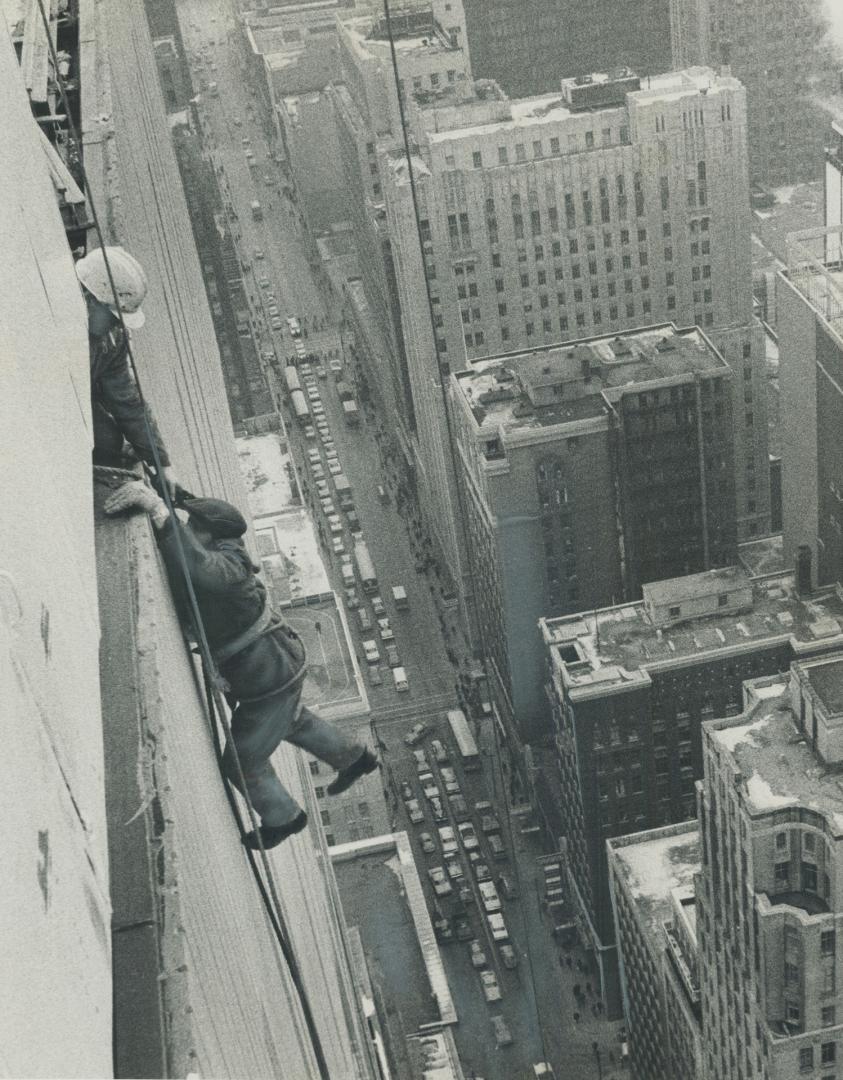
(216, 712)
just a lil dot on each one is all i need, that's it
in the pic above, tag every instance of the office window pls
(563, 323)
(503, 156)
(504, 333)
(556, 249)
(827, 942)
(325, 816)
(806, 1057)
(828, 1053)
(496, 260)
(520, 152)
(828, 1016)
(525, 281)
(554, 145)
(537, 148)
(589, 140)
(499, 284)
(477, 159)
(314, 768)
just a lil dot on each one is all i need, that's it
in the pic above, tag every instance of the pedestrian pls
(118, 411)
(260, 657)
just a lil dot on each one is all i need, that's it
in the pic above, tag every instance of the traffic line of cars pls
(456, 842)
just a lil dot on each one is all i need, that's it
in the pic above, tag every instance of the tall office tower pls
(781, 53)
(527, 46)
(367, 116)
(136, 941)
(769, 893)
(629, 689)
(589, 470)
(809, 299)
(834, 180)
(610, 205)
(651, 876)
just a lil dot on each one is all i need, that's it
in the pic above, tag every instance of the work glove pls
(135, 495)
(168, 475)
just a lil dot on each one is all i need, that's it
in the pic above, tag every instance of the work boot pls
(272, 835)
(366, 763)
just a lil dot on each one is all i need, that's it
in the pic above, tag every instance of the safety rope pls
(215, 706)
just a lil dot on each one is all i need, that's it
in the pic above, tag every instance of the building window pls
(503, 155)
(828, 1016)
(477, 159)
(674, 612)
(827, 942)
(326, 817)
(809, 877)
(782, 873)
(589, 140)
(806, 1058)
(554, 145)
(828, 1053)
(809, 841)
(314, 768)
(320, 792)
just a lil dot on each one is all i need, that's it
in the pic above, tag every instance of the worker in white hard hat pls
(118, 410)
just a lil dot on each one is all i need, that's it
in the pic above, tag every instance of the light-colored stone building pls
(651, 876)
(769, 892)
(609, 205)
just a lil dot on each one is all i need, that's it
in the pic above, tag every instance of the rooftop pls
(777, 766)
(652, 864)
(295, 575)
(691, 586)
(815, 269)
(396, 932)
(419, 34)
(509, 393)
(617, 646)
(556, 108)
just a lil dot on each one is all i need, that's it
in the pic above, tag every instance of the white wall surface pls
(55, 990)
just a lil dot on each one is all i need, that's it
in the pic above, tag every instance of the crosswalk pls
(420, 709)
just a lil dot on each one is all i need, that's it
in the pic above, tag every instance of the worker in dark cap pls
(260, 657)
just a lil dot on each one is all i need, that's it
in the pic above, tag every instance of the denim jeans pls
(262, 719)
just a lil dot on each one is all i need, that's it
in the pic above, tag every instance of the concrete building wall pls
(55, 994)
(310, 135)
(799, 386)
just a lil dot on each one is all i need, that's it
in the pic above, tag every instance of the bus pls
(464, 739)
(366, 568)
(299, 404)
(291, 378)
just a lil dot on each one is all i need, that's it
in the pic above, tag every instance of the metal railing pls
(815, 268)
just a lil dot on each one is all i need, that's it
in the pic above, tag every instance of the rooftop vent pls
(667, 344)
(504, 375)
(621, 347)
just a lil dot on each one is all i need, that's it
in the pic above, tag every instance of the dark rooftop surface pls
(374, 900)
(808, 902)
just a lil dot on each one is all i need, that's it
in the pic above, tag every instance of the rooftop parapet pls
(815, 269)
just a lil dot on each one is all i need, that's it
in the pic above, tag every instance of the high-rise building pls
(629, 688)
(834, 179)
(589, 470)
(781, 54)
(809, 298)
(651, 877)
(429, 54)
(769, 892)
(612, 204)
(527, 46)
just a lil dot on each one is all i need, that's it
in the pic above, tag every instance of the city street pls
(537, 999)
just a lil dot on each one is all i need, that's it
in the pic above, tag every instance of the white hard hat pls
(129, 281)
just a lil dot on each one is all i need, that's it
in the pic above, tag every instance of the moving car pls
(468, 836)
(378, 606)
(371, 651)
(416, 734)
(439, 814)
(478, 957)
(314, 456)
(503, 1037)
(497, 849)
(490, 824)
(497, 927)
(420, 759)
(508, 887)
(439, 880)
(365, 620)
(463, 930)
(294, 326)
(489, 896)
(428, 844)
(406, 791)
(458, 807)
(334, 467)
(455, 871)
(415, 812)
(489, 982)
(309, 431)
(481, 872)
(352, 598)
(338, 548)
(392, 657)
(439, 751)
(385, 630)
(448, 841)
(509, 958)
(375, 677)
(335, 525)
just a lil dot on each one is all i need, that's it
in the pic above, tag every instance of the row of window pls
(574, 142)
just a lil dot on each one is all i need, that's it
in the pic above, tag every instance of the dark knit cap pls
(221, 519)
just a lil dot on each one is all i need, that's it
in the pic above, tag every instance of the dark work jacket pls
(230, 599)
(114, 388)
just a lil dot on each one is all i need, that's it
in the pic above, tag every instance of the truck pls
(343, 489)
(344, 391)
(365, 567)
(257, 211)
(399, 595)
(351, 413)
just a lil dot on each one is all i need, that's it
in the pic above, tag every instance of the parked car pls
(449, 778)
(416, 734)
(371, 651)
(439, 752)
(313, 455)
(462, 928)
(439, 814)
(430, 790)
(455, 871)
(294, 326)
(334, 467)
(458, 807)
(489, 982)
(442, 928)
(468, 836)
(392, 657)
(365, 620)
(490, 824)
(335, 526)
(385, 630)
(322, 489)
(309, 431)
(428, 844)
(375, 677)
(420, 758)
(378, 606)
(414, 811)
(338, 548)
(478, 957)
(259, 255)
(439, 879)
(466, 895)
(318, 472)
(407, 791)
(481, 872)
(352, 597)
(509, 957)
(263, 282)
(508, 887)
(503, 1036)
(497, 926)
(448, 841)
(497, 849)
